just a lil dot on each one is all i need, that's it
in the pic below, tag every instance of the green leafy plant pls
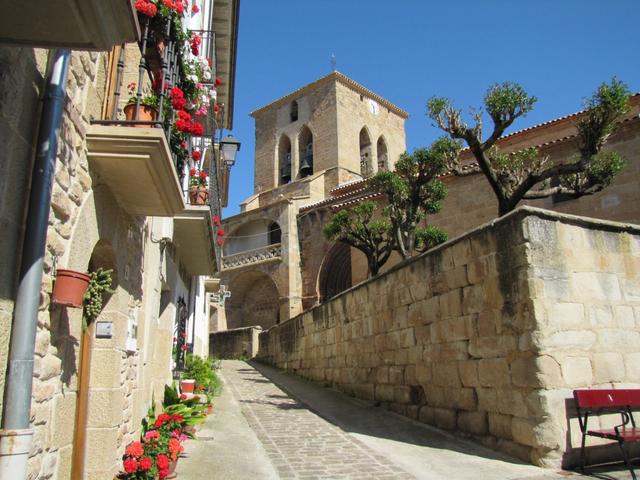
(202, 371)
(99, 284)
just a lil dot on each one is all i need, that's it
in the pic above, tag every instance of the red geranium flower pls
(218, 81)
(200, 388)
(195, 8)
(197, 155)
(130, 465)
(192, 173)
(216, 108)
(145, 464)
(220, 241)
(197, 129)
(203, 175)
(216, 220)
(135, 449)
(179, 8)
(221, 232)
(146, 7)
(162, 461)
(177, 418)
(183, 396)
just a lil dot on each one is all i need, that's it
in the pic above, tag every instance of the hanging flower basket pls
(198, 195)
(69, 288)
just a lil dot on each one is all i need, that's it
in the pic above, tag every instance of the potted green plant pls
(147, 109)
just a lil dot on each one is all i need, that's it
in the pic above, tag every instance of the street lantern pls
(229, 148)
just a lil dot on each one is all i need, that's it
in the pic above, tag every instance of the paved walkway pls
(270, 425)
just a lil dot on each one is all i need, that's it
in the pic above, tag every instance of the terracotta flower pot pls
(69, 288)
(145, 114)
(172, 469)
(198, 195)
(186, 386)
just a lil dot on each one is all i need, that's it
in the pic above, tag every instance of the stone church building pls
(315, 148)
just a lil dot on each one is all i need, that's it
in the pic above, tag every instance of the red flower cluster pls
(146, 7)
(196, 41)
(130, 465)
(220, 241)
(185, 124)
(195, 8)
(178, 102)
(145, 464)
(163, 465)
(216, 220)
(175, 5)
(216, 108)
(134, 449)
(218, 81)
(196, 155)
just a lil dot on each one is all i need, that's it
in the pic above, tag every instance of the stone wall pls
(487, 334)
(87, 229)
(235, 343)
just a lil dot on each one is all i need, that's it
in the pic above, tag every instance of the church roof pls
(334, 76)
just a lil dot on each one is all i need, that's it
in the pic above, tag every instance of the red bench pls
(595, 402)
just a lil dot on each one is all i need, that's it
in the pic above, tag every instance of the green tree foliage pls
(413, 191)
(527, 174)
(357, 227)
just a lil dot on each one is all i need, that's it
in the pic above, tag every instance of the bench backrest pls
(607, 398)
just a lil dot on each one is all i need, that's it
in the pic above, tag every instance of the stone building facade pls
(90, 389)
(309, 142)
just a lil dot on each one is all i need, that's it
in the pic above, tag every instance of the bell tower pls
(333, 128)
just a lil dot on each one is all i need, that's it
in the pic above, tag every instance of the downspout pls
(16, 436)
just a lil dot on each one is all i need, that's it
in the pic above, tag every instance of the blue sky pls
(409, 50)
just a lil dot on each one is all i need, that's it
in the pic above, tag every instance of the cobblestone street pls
(270, 425)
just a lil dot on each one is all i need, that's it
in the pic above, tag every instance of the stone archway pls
(254, 301)
(335, 273)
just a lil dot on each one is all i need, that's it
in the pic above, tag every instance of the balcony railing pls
(262, 254)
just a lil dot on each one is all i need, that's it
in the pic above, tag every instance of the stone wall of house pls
(486, 335)
(235, 343)
(87, 229)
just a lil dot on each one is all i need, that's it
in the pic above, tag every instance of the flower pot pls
(145, 114)
(172, 469)
(69, 288)
(198, 195)
(186, 386)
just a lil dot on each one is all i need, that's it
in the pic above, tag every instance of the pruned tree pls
(413, 191)
(526, 174)
(357, 227)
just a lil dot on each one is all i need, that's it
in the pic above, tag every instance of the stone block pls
(102, 450)
(624, 317)
(500, 425)
(364, 390)
(396, 375)
(523, 431)
(105, 408)
(492, 347)
(473, 422)
(461, 398)
(601, 316)
(461, 252)
(42, 391)
(473, 299)
(494, 372)
(632, 364)
(566, 316)
(457, 277)
(50, 367)
(548, 372)
(571, 339)
(65, 456)
(423, 373)
(445, 418)
(468, 371)
(384, 393)
(577, 371)
(382, 375)
(595, 286)
(487, 399)
(446, 374)
(427, 415)
(451, 303)
(63, 417)
(608, 367)
(619, 340)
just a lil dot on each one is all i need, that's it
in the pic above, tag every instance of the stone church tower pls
(309, 145)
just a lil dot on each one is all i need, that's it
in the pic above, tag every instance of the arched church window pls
(366, 166)
(294, 111)
(275, 234)
(383, 162)
(305, 141)
(284, 160)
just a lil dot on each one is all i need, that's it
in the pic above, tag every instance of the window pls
(294, 111)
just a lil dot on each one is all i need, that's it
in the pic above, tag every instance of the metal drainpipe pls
(16, 436)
